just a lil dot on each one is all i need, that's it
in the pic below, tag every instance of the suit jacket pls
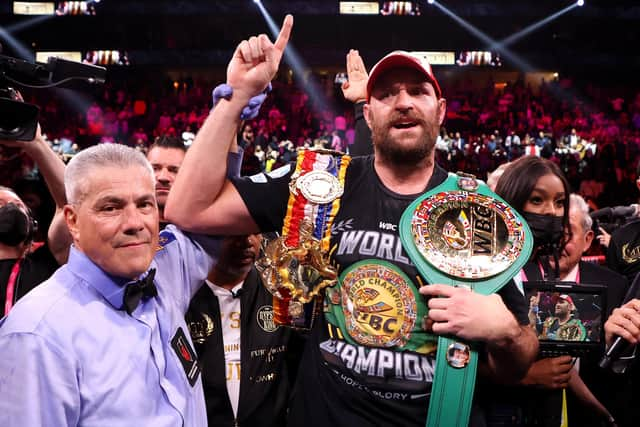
(266, 359)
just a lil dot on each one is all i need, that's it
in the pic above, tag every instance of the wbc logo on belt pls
(467, 235)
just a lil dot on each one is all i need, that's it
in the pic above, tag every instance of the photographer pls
(22, 268)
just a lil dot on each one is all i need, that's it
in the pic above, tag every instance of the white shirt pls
(229, 302)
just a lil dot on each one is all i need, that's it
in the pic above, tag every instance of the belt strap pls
(462, 234)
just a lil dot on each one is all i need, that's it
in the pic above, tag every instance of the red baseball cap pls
(402, 59)
(566, 298)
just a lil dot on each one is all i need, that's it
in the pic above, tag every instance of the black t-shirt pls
(623, 253)
(368, 361)
(37, 267)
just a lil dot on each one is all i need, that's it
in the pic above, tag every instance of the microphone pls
(620, 345)
(61, 68)
(623, 211)
(615, 212)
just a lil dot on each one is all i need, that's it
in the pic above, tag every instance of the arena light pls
(359, 8)
(33, 8)
(431, 1)
(580, 3)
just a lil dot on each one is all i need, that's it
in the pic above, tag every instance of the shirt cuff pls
(234, 163)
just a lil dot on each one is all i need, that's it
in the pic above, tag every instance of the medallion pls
(467, 235)
(319, 187)
(458, 355)
(378, 305)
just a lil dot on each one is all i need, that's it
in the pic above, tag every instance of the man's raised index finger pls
(285, 33)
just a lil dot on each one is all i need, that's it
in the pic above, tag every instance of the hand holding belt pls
(462, 234)
(141, 289)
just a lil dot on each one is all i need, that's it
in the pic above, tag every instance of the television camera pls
(19, 120)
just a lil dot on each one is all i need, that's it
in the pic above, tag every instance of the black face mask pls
(14, 225)
(547, 230)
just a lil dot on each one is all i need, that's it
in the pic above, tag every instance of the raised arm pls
(50, 165)
(201, 199)
(52, 169)
(355, 90)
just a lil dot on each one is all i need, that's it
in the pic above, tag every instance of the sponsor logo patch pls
(264, 317)
(186, 355)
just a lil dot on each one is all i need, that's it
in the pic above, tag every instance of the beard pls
(400, 154)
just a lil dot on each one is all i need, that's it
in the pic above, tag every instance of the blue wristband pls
(251, 110)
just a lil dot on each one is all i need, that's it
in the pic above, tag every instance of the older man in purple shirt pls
(94, 346)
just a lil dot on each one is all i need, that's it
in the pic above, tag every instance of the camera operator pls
(22, 268)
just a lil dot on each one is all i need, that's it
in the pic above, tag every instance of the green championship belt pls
(462, 234)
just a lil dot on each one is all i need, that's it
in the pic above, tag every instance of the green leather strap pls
(452, 389)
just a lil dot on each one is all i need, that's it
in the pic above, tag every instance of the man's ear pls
(588, 238)
(71, 218)
(442, 110)
(638, 183)
(366, 112)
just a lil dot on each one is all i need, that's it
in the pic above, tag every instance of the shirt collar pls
(219, 291)
(107, 285)
(572, 276)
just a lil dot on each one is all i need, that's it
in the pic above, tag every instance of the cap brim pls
(399, 61)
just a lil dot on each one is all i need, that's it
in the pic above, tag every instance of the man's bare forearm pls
(509, 358)
(51, 167)
(204, 166)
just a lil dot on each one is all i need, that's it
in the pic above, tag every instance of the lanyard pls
(11, 286)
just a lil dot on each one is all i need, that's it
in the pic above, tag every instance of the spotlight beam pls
(19, 26)
(506, 53)
(21, 50)
(531, 28)
(500, 46)
(78, 102)
(296, 62)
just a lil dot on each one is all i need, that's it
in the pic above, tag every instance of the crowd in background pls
(592, 133)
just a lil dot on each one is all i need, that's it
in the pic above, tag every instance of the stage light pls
(256, 1)
(297, 64)
(430, 1)
(580, 3)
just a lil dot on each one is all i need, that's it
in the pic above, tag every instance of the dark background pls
(595, 41)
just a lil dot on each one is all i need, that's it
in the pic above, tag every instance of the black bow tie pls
(134, 292)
